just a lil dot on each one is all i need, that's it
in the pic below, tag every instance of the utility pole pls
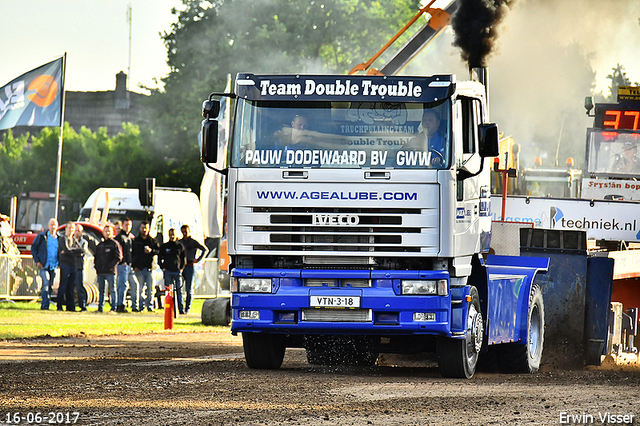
(129, 19)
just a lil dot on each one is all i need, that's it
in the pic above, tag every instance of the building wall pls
(94, 110)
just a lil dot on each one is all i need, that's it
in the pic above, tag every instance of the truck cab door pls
(467, 229)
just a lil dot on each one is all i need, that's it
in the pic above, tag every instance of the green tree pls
(214, 38)
(89, 160)
(12, 174)
(93, 160)
(618, 78)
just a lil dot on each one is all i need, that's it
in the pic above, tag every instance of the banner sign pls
(601, 219)
(34, 98)
(610, 189)
(352, 88)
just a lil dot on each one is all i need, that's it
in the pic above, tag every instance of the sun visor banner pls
(347, 88)
(34, 98)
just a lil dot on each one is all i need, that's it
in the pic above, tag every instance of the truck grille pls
(336, 315)
(336, 230)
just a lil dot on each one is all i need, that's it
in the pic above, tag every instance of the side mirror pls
(489, 140)
(209, 152)
(210, 109)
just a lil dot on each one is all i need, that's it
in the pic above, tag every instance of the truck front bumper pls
(380, 308)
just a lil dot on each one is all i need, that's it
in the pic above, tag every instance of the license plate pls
(335, 302)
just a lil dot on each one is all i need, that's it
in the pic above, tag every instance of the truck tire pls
(519, 358)
(458, 357)
(222, 311)
(263, 351)
(207, 312)
(216, 312)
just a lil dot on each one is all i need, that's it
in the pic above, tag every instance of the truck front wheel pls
(263, 351)
(459, 357)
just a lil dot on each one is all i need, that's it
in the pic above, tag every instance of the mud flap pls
(509, 281)
(459, 310)
(597, 306)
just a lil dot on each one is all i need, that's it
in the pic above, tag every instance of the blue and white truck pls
(359, 223)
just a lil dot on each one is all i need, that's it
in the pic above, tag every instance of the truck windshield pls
(613, 152)
(342, 134)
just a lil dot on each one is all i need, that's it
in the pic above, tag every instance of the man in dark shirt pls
(194, 252)
(67, 249)
(145, 249)
(108, 255)
(126, 278)
(79, 262)
(172, 259)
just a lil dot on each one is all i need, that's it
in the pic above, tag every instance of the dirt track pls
(201, 379)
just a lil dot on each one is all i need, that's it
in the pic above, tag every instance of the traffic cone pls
(168, 309)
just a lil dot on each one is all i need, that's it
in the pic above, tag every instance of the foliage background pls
(210, 40)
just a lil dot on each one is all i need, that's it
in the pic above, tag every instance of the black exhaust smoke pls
(475, 27)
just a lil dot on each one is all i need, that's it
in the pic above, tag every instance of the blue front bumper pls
(382, 310)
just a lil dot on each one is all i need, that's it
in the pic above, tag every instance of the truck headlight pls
(251, 285)
(432, 287)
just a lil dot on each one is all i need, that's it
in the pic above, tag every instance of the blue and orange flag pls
(34, 98)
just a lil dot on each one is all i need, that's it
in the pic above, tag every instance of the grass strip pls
(23, 320)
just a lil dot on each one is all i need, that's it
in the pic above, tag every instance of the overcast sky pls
(95, 35)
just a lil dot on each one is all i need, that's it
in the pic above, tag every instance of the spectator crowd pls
(123, 263)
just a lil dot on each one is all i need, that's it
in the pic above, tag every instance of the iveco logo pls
(336, 219)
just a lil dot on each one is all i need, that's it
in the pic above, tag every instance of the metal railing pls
(19, 278)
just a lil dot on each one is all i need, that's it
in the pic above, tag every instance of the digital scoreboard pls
(617, 116)
(624, 115)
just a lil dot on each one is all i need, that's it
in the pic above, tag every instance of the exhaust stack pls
(481, 75)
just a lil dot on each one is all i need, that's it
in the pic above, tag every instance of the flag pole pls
(59, 163)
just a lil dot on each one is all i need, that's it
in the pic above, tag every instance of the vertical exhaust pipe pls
(481, 75)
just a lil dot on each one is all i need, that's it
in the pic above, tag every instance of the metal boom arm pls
(437, 23)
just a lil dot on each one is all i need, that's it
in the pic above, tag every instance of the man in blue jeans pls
(194, 252)
(44, 250)
(172, 259)
(126, 278)
(145, 249)
(107, 256)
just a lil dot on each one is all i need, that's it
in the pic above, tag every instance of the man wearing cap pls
(627, 162)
